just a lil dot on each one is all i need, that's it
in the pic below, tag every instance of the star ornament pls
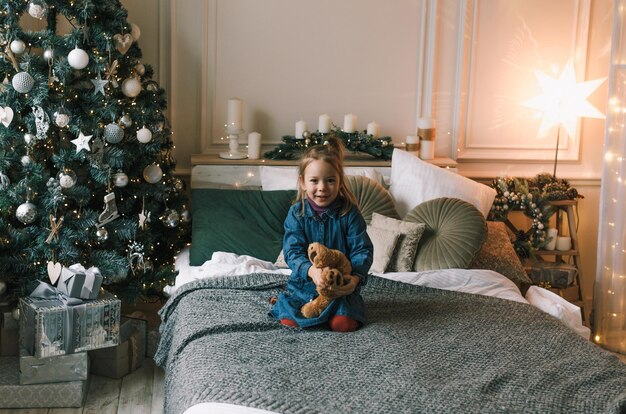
(82, 142)
(563, 100)
(99, 84)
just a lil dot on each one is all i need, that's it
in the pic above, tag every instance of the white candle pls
(373, 129)
(301, 126)
(552, 235)
(234, 115)
(254, 145)
(427, 149)
(425, 123)
(349, 123)
(412, 143)
(563, 243)
(324, 124)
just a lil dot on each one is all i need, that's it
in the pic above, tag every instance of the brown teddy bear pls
(336, 269)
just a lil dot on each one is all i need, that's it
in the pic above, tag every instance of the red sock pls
(289, 322)
(341, 323)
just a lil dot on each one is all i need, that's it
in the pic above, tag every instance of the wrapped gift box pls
(64, 368)
(48, 327)
(51, 395)
(120, 360)
(77, 282)
(558, 275)
(8, 335)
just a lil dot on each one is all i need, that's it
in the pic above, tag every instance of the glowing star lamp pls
(562, 101)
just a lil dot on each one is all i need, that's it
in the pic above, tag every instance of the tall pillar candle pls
(349, 123)
(324, 124)
(301, 126)
(234, 117)
(426, 134)
(254, 145)
(373, 129)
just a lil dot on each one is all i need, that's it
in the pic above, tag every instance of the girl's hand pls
(344, 290)
(315, 273)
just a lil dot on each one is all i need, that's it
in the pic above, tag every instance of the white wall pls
(292, 59)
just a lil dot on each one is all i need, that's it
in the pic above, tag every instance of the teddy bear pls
(336, 267)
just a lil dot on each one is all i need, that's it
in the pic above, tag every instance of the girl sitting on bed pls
(326, 212)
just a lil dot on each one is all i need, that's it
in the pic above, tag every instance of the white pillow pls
(414, 181)
(286, 178)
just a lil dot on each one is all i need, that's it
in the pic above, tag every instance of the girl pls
(325, 211)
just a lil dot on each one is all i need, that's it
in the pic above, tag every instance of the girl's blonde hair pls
(332, 152)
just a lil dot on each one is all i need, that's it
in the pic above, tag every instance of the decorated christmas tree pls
(86, 166)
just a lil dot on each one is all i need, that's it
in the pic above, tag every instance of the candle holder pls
(233, 152)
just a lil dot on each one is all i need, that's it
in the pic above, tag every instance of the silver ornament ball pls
(178, 184)
(102, 234)
(152, 173)
(171, 218)
(131, 87)
(67, 178)
(26, 160)
(144, 135)
(120, 179)
(126, 121)
(140, 68)
(26, 213)
(29, 138)
(38, 9)
(22, 82)
(61, 117)
(113, 133)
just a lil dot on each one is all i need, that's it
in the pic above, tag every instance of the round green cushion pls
(371, 197)
(455, 232)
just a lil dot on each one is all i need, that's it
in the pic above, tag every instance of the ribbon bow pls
(47, 291)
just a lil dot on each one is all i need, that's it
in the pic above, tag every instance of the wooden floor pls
(140, 392)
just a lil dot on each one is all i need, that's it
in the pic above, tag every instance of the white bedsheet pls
(475, 281)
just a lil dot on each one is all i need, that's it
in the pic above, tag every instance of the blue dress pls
(347, 233)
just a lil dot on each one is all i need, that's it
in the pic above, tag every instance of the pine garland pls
(292, 148)
(532, 197)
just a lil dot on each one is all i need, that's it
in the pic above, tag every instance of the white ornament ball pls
(144, 135)
(18, 47)
(171, 218)
(113, 133)
(131, 87)
(3, 287)
(120, 179)
(152, 173)
(26, 213)
(38, 9)
(67, 178)
(78, 59)
(29, 138)
(135, 31)
(26, 160)
(48, 54)
(22, 82)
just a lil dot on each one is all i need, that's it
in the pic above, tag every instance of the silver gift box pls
(50, 328)
(76, 282)
(58, 394)
(64, 368)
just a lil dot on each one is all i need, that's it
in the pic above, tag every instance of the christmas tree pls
(86, 166)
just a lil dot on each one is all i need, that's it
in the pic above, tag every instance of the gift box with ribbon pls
(49, 395)
(52, 324)
(128, 356)
(64, 368)
(77, 282)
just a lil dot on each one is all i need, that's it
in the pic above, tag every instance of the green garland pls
(292, 148)
(532, 197)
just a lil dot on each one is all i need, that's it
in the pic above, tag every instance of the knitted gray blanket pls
(423, 350)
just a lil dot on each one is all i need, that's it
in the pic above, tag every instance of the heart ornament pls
(6, 115)
(54, 271)
(123, 42)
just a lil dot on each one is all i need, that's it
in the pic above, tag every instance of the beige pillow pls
(410, 234)
(384, 241)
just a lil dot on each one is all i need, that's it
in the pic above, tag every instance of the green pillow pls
(246, 222)
(455, 232)
(371, 197)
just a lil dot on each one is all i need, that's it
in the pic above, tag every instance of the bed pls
(458, 330)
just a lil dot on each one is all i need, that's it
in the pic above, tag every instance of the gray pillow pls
(455, 232)
(410, 234)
